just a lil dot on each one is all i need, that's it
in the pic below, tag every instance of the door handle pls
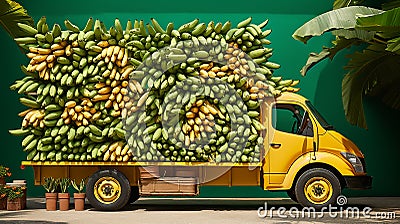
(275, 145)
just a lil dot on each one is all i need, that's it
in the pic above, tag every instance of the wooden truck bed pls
(207, 173)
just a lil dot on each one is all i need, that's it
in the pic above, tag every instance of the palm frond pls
(12, 13)
(339, 20)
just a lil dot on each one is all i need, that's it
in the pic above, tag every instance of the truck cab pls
(306, 156)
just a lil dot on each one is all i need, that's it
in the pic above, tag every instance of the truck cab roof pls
(288, 96)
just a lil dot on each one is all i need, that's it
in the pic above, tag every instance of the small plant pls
(79, 188)
(5, 171)
(15, 192)
(50, 184)
(64, 183)
(3, 192)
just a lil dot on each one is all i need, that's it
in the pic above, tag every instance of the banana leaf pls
(391, 5)
(393, 45)
(371, 72)
(338, 45)
(350, 34)
(387, 24)
(339, 20)
(345, 3)
(12, 13)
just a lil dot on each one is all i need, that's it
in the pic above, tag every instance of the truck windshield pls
(318, 116)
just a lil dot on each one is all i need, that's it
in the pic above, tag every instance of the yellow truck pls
(302, 155)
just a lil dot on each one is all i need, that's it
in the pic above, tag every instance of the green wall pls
(322, 86)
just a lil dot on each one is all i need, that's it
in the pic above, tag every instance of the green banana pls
(29, 103)
(95, 130)
(142, 28)
(244, 23)
(226, 27)
(151, 30)
(89, 25)
(188, 26)
(199, 29)
(19, 132)
(169, 28)
(263, 24)
(30, 31)
(157, 26)
(25, 40)
(71, 26)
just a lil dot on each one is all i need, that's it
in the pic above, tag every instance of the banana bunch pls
(32, 117)
(208, 70)
(114, 54)
(236, 61)
(199, 118)
(132, 99)
(117, 151)
(115, 96)
(279, 85)
(42, 59)
(114, 89)
(80, 114)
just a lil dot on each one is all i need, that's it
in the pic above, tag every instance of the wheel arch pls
(322, 166)
(132, 173)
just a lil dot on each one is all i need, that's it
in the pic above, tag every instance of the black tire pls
(134, 194)
(315, 179)
(292, 194)
(101, 180)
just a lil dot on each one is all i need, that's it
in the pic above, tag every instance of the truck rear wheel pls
(108, 190)
(317, 188)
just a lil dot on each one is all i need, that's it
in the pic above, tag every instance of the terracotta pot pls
(3, 203)
(51, 201)
(2, 181)
(14, 205)
(63, 200)
(79, 201)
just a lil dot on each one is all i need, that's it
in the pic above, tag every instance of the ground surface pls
(232, 211)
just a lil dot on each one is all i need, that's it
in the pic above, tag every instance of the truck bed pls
(208, 173)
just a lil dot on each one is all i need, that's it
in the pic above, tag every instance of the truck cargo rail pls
(78, 163)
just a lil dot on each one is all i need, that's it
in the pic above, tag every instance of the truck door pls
(290, 136)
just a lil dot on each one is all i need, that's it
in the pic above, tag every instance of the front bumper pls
(358, 182)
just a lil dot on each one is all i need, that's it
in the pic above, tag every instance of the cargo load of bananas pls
(144, 92)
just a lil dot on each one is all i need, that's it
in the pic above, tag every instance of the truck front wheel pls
(317, 188)
(108, 190)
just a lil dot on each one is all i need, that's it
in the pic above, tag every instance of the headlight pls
(355, 161)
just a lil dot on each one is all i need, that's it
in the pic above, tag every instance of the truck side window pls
(291, 118)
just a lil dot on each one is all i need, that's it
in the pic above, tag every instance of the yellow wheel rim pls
(107, 190)
(318, 190)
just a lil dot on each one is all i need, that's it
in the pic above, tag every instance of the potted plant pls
(50, 185)
(63, 196)
(4, 172)
(3, 197)
(14, 198)
(79, 197)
